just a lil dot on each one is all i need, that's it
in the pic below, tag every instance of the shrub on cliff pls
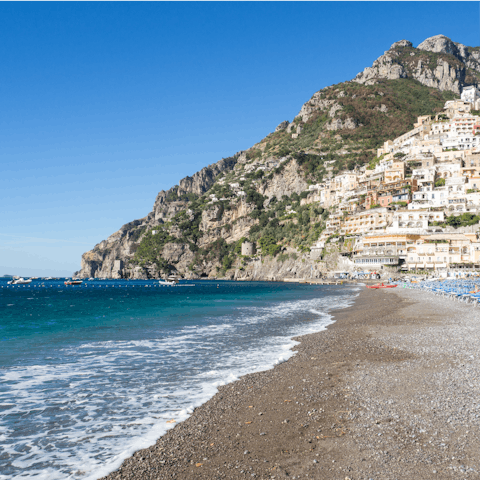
(254, 197)
(150, 249)
(269, 245)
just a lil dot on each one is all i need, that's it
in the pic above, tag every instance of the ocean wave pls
(108, 399)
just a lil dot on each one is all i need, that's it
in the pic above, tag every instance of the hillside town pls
(415, 206)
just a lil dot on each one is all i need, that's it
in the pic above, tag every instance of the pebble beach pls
(389, 391)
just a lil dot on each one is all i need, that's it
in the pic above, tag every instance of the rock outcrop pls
(282, 126)
(198, 184)
(437, 62)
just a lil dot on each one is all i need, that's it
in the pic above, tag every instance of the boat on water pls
(73, 282)
(381, 286)
(19, 281)
(171, 280)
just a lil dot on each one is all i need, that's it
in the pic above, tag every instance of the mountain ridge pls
(436, 62)
(340, 126)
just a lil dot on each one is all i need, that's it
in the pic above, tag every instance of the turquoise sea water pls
(89, 374)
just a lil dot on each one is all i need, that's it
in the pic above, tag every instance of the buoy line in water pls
(98, 286)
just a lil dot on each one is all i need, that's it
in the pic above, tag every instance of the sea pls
(90, 374)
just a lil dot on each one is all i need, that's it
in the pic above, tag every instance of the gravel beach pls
(389, 391)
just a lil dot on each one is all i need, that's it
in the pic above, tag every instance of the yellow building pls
(376, 251)
(441, 251)
(395, 173)
(369, 221)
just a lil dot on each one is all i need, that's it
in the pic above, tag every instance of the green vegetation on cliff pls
(149, 251)
(375, 113)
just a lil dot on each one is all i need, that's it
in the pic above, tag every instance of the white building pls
(471, 94)
(415, 221)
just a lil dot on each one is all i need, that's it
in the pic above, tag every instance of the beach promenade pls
(389, 391)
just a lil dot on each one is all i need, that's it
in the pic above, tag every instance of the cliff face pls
(197, 227)
(198, 184)
(437, 62)
(122, 245)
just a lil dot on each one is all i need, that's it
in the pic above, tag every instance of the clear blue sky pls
(105, 104)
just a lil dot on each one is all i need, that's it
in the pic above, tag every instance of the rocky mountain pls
(261, 195)
(437, 62)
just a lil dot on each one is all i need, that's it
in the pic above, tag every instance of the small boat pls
(19, 281)
(381, 286)
(171, 280)
(73, 282)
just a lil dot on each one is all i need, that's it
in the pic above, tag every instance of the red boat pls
(73, 282)
(381, 286)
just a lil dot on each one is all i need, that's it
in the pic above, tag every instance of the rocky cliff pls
(437, 62)
(261, 195)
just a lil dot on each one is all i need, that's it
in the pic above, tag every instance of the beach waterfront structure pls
(431, 251)
(376, 262)
(440, 251)
(384, 249)
(446, 250)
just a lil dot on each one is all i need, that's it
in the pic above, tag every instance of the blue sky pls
(102, 105)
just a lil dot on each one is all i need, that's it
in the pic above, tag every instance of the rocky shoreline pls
(390, 390)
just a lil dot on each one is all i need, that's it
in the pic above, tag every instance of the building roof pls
(446, 236)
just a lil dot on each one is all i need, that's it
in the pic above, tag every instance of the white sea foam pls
(113, 398)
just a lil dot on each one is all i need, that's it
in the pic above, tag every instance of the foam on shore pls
(109, 399)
